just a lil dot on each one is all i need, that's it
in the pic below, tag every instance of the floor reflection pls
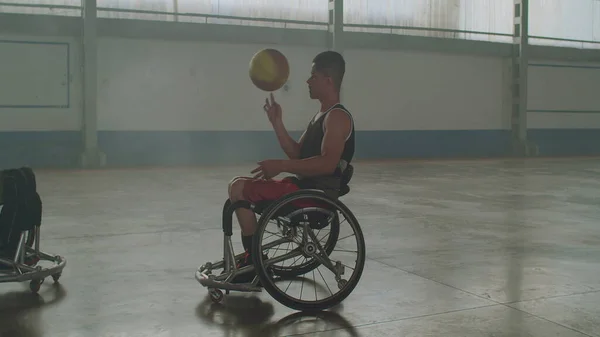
(249, 316)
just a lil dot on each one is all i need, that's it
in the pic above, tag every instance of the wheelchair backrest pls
(347, 175)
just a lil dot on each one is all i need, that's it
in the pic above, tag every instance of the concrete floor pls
(465, 248)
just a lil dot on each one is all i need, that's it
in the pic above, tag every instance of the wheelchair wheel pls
(304, 214)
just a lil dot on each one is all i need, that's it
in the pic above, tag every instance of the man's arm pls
(287, 143)
(337, 128)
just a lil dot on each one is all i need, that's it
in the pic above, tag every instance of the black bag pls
(22, 207)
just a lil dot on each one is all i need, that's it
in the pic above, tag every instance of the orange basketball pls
(269, 69)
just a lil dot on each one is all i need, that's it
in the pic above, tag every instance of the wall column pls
(336, 25)
(91, 156)
(520, 57)
(335, 39)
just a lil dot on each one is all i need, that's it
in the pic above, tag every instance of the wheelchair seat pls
(317, 213)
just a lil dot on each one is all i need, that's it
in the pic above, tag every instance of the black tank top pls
(311, 146)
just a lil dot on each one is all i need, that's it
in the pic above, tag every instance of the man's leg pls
(253, 190)
(246, 218)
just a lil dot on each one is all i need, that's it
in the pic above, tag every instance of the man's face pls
(318, 83)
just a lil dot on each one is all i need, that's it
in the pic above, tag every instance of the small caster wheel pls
(35, 285)
(342, 283)
(56, 277)
(216, 295)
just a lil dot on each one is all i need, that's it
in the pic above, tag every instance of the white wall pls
(564, 88)
(393, 90)
(163, 85)
(158, 85)
(23, 69)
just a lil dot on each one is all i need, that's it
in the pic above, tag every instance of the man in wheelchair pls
(320, 159)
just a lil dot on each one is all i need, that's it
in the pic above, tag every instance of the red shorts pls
(258, 190)
(267, 190)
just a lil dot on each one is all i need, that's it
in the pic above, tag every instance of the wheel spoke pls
(275, 243)
(283, 257)
(315, 282)
(326, 284)
(345, 251)
(301, 288)
(345, 237)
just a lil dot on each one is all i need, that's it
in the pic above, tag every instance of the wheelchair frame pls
(35, 274)
(216, 283)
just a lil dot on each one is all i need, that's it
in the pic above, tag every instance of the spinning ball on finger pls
(269, 69)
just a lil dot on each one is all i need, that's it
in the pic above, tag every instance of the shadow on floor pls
(21, 311)
(251, 317)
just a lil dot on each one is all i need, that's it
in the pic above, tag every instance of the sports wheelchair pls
(296, 216)
(21, 211)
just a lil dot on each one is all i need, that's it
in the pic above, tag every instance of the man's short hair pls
(332, 64)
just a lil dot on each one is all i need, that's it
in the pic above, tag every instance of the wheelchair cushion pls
(345, 180)
(344, 190)
(347, 175)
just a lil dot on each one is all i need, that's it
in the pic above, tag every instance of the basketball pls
(269, 69)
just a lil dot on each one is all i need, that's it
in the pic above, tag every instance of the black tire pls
(265, 276)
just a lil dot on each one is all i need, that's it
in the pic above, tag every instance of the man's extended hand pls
(273, 110)
(268, 169)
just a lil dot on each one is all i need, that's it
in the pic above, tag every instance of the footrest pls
(35, 272)
(209, 282)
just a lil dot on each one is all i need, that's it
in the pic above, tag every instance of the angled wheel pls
(311, 273)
